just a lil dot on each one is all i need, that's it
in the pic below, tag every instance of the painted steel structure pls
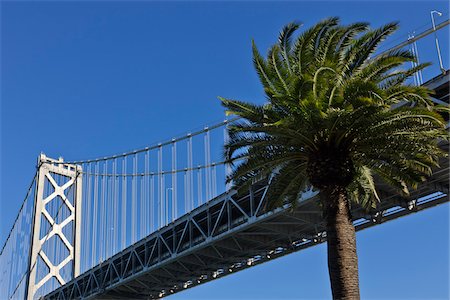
(228, 234)
(42, 240)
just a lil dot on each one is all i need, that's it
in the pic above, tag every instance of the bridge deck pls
(229, 234)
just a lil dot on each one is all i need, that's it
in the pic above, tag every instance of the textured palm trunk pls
(342, 257)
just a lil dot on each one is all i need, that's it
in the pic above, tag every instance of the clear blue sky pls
(88, 79)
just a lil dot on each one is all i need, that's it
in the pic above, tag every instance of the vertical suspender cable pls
(112, 209)
(94, 216)
(133, 204)
(101, 222)
(133, 199)
(111, 205)
(18, 242)
(91, 215)
(414, 63)
(207, 167)
(152, 203)
(85, 214)
(191, 176)
(214, 181)
(166, 203)
(174, 180)
(226, 139)
(199, 186)
(106, 216)
(142, 210)
(419, 73)
(16, 247)
(147, 192)
(116, 208)
(160, 189)
(103, 214)
(105, 210)
(109, 210)
(141, 202)
(123, 219)
(163, 188)
(208, 148)
(190, 197)
(186, 206)
(187, 184)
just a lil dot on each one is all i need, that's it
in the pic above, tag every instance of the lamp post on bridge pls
(441, 66)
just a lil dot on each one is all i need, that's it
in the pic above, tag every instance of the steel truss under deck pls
(229, 234)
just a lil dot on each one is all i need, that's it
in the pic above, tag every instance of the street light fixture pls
(436, 38)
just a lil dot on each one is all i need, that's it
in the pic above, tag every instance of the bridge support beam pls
(56, 233)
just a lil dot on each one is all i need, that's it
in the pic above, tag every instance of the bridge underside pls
(229, 234)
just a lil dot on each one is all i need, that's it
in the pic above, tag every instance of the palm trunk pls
(342, 257)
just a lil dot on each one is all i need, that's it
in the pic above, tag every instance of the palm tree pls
(336, 121)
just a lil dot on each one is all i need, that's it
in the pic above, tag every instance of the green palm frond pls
(365, 46)
(275, 66)
(398, 77)
(376, 68)
(349, 34)
(285, 42)
(263, 72)
(287, 184)
(303, 51)
(362, 190)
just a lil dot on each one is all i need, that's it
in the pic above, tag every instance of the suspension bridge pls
(158, 220)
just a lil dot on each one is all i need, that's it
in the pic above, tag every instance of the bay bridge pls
(155, 221)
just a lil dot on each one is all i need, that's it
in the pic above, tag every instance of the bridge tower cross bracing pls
(48, 172)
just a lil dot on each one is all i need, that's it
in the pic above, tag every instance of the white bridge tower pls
(55, 249)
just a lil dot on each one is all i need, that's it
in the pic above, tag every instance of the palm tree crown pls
(336, 120)
(334, 117)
